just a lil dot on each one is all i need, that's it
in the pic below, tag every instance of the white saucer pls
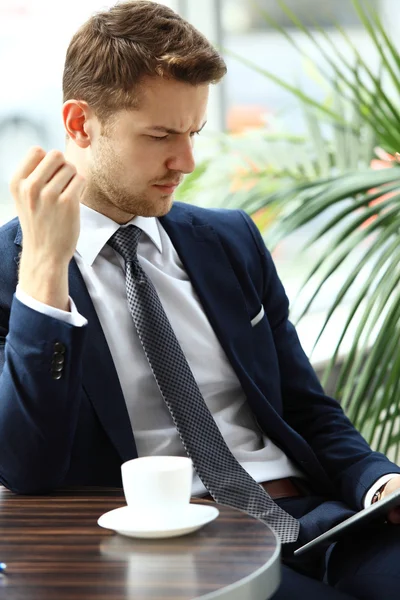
(127, 522)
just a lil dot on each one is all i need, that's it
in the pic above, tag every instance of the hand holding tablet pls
(376, 511)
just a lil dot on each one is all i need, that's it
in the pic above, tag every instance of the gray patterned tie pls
(223, 476)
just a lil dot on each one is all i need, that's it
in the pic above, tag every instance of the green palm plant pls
(330, 177)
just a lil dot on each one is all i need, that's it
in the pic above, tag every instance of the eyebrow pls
(163, 129)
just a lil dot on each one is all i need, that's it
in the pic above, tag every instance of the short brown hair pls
(116, 48)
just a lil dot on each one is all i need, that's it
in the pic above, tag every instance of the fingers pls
(36, 170)
(47, 192)
(46, 176)
(74, 189)
(28, 165)
(46, 170)
(54, 188)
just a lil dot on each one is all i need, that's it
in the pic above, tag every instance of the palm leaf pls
(326, 176)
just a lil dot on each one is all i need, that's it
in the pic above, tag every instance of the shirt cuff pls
(370, 494)
(72, 318)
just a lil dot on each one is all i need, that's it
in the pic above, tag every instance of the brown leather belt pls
(282, 488)
(278, 488)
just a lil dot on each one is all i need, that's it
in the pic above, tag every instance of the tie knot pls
(125, 241)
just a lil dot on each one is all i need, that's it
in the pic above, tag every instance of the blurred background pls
(302, 134)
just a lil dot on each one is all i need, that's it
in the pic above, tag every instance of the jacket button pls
(56, 368)
(58, 359)
(56, 374)
(59, 347)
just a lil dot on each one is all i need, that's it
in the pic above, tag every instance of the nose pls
(183, 158)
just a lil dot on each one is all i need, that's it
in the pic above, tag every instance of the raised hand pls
(47, 191)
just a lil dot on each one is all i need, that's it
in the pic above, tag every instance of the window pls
(252, 99)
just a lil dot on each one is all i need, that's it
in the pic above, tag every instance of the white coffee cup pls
(157, 487)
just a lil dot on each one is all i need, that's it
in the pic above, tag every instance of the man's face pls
(135, 168)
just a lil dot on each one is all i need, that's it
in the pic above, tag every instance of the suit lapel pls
(216, 285)
(218, 288)
(100, 379)
(219, 291)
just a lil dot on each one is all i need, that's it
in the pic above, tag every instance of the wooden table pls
(55, 550)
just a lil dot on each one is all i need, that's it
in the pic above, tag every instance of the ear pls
(79, 122)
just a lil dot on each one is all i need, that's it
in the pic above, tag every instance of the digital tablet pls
(376, 511)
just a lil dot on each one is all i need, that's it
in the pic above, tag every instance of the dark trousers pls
(362, 566)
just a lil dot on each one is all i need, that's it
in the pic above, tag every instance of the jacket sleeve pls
(40, 383)
(344, 454)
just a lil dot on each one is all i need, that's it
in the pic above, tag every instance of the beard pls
(105, 194)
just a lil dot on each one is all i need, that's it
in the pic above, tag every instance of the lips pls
(167, 188)
(169, 184)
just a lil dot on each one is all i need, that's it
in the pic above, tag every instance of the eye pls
(158, 138)
(194, 133)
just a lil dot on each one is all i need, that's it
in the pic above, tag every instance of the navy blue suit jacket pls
(76, 430)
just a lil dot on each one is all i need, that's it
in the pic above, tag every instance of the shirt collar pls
(96, 229)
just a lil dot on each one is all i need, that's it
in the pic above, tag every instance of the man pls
(126, 322)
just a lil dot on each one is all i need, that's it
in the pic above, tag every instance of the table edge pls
(235, 591)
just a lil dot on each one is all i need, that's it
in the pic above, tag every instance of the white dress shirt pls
(103, 271)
